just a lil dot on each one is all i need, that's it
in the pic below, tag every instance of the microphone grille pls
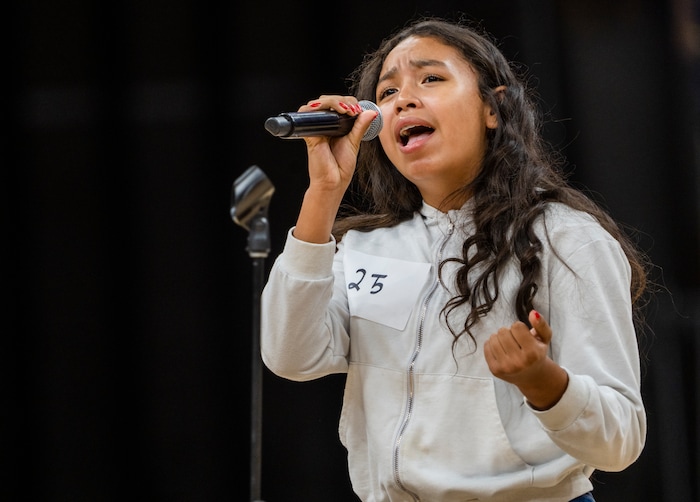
(376, 124)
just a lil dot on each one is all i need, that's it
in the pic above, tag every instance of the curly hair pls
(520, 175)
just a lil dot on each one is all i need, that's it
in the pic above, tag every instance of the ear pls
(491, 118)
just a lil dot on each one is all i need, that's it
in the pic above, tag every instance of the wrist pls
(545, 390)
(317, 215)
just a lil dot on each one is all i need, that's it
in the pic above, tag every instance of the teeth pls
(405, 131)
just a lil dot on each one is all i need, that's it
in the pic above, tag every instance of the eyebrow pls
(418, 63)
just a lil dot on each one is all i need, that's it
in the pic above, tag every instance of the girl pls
(483, 310)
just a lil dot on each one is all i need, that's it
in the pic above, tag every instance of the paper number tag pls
(383, 290)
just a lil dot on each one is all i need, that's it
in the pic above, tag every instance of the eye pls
(386, 92)
(432, 78)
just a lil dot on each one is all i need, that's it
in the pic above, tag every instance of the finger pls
(340, 104)
(344, 105)
(488, 352)
(362, 124)
(540, 327)
(520, 333)
(492, 353)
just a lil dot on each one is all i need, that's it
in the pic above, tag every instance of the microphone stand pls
(250, 198)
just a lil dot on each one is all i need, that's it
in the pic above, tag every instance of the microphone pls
(321, 123)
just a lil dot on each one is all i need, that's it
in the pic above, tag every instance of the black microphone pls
(321, 123)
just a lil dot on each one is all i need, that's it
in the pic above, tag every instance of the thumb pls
(540, 327)
(362, 124)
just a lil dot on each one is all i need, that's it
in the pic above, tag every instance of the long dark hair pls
(520, 175)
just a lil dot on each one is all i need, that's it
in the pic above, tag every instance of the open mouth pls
(409, 132)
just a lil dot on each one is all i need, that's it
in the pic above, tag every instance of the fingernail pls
(537, 315)
(314, 105)
(343, 105)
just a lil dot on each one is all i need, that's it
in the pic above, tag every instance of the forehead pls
(414, 49)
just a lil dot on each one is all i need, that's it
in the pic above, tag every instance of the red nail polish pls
(314, 105)
(343, 106)
(537, 315)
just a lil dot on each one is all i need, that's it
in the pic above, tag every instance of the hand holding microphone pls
(331, 164)
(321, 123)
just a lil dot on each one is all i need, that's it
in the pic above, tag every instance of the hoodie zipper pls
(411, 368)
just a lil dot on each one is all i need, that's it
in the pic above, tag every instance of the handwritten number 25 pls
(376, 287)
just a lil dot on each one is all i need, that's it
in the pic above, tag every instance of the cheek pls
(386, 139)
(470, 124)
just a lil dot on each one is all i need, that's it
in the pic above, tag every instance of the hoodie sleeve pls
(600, 419)
(304, 332)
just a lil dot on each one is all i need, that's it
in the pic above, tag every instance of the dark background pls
(126, 351)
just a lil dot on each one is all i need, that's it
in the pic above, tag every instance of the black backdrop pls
(126, 352)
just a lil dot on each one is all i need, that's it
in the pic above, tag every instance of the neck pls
(445, 203)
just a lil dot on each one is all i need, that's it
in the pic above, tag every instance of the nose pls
(406, 98)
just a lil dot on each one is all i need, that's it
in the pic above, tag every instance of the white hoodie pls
(424, 422)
